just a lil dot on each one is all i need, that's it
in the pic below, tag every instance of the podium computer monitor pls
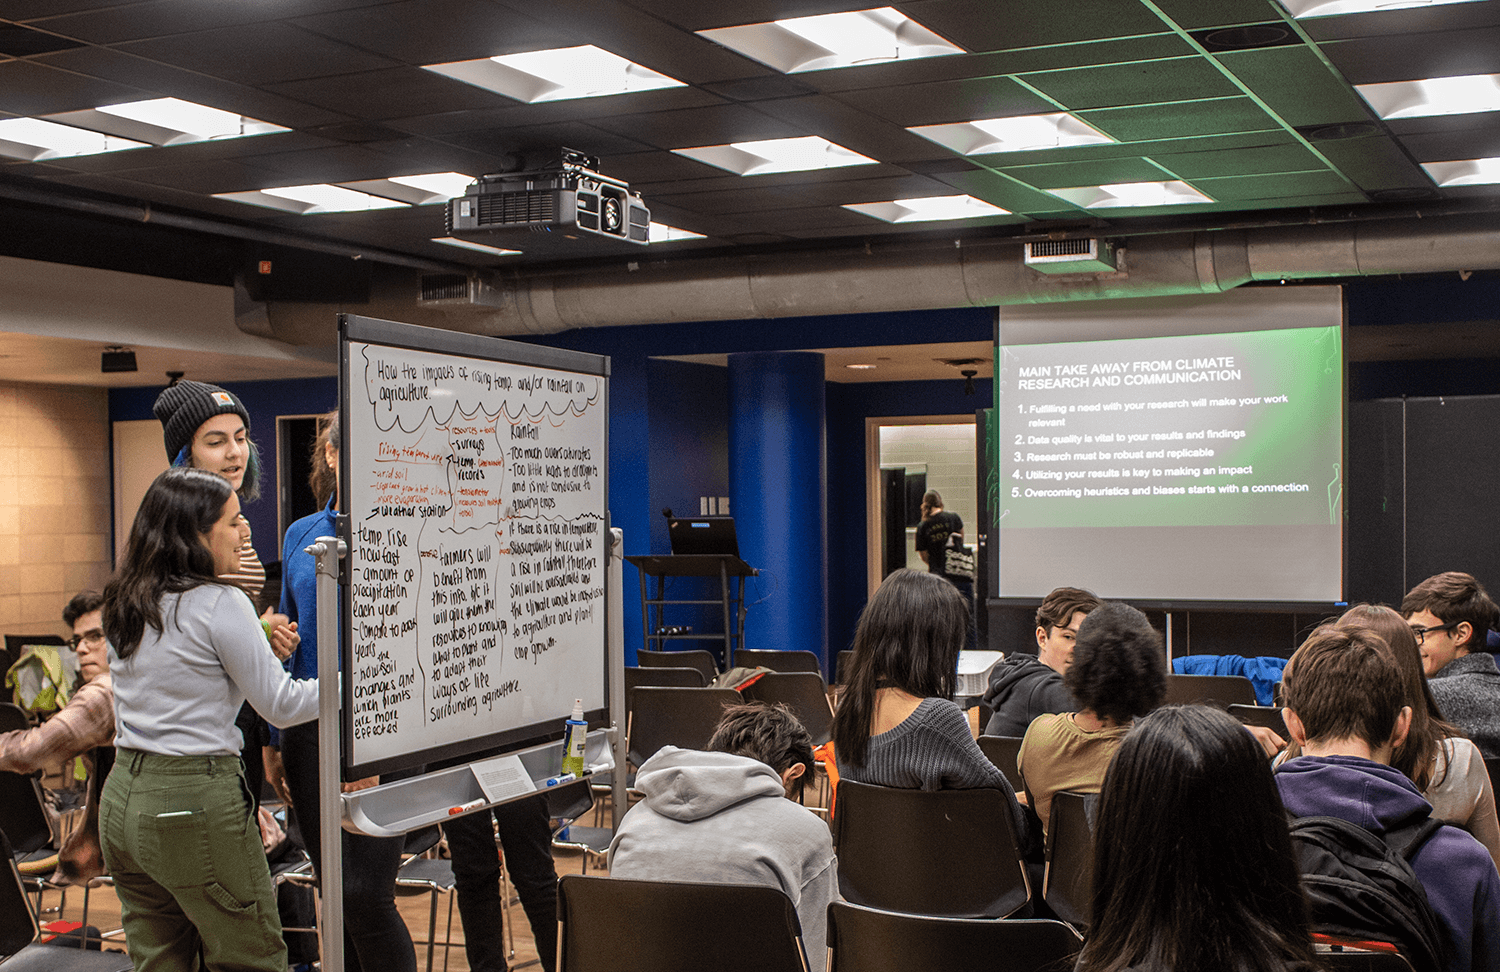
(703, 535)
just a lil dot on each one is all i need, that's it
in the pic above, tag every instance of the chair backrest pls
(948, 852)
(670, 677)
(841, 672)
(1068, 887)
(610, 924)
(1002, 751)
(778, 661)
(1210, 689)
(868, 940)
(13, 717)
(699, 658)
(21, 809)
(684, 717)
(568, 802)
(1265, 716)
(803, 693)
(17, 922)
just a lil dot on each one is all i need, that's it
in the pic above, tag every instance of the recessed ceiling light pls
(312, 200)
(833, 40)
(1433, 96)
(1330, 8)
(557, 75)
(165, 121)
(776, 155)
(1020, 134)
(928, 208)
(1470, 172)
(416, 190)
(860, 367)
(662, 233)
(1132, 194)
(478, 247)
(34, 140)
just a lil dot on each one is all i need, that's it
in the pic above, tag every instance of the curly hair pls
(1119, 669)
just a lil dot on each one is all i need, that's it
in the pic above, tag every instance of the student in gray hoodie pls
(727, 816)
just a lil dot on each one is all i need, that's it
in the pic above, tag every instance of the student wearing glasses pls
(1450, 615)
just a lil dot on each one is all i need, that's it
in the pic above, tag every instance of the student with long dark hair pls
(896, 723)
(1193, 866)
(176, 818)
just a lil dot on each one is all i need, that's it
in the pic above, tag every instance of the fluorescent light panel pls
(662, 233)
(776, 155)
(1468, 172)
(1433, 96)
(836, 40)
(1132, 195)
(165, 121)
(928, 208)
(476, 247)
(1330, 8)
(349, 197)
(1019, 134)
(35, 140)
(556, 75)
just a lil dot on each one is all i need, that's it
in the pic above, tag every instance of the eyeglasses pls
(1420, 633)
(93, 637)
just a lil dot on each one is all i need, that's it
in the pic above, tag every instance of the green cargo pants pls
(185, 853)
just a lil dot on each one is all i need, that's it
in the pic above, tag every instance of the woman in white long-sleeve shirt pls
(176, 818)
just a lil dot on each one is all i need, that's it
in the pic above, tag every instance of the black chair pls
(683, 717)
(617, 925)
(950, 852)
(667, 677)
(1221, 690)
(1068, 887)
(1002, 751)
(699, 658)
(18, 932)
(568, 803)
(778, 661)
(803, 693)
(867, 940)
(21, 810)
(1265, 716)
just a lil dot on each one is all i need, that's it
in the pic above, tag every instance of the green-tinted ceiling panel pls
(1296, 84)
(988, 25)
(1000, 191)
(1194, 14)
(942, 102)
(1183, 119)
(1141, 83)
(1290, 157)
(1098, 173)
(1114, 51)
(1279, 186)
(1152, 149)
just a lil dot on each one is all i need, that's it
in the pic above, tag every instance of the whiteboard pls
(473, 473)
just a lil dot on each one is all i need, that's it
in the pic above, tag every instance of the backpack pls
(1362, 888)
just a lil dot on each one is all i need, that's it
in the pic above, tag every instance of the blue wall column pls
(777, 477)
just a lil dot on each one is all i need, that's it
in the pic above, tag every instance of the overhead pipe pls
(908, 277)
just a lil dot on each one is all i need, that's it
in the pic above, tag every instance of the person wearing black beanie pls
(207, 427)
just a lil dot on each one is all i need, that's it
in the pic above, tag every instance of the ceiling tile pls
(258, 54)
(1373, 164)
(1440, 54)
(1295, 84)
(1411, 20)
(159, 18)
(17, 41)
(1454, 146)
(388, 93)
(852, 128)
(998, 190)
(949, 101)
(1291, 157)
(693, 127)
(982, 25)
(1183, 119)
(576, 135)
(1237, 189)
(1103, 172)
(36, 88)
(1143, 83)
(1196, 14)
(437, 31)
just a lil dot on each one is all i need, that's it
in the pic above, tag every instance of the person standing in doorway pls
(938, 531)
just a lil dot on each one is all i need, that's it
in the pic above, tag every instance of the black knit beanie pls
(187, 405)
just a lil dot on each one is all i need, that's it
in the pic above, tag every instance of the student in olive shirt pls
(1024, 685)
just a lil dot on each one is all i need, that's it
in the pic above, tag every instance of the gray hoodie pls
(717, 817)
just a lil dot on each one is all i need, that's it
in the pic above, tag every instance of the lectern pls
(731, 572)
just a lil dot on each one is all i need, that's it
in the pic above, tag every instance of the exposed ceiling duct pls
(901, 277)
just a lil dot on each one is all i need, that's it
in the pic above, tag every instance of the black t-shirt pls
(932, 536)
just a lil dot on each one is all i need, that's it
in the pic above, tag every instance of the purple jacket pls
(1456, 870)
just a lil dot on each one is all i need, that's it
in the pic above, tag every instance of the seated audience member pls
(1444, 765)
(1024, 685)
(1118, 673)
(896, 723)
(88, 720)
(728, 816)
(1345, 708)
(1451, 614)
(1227, 896)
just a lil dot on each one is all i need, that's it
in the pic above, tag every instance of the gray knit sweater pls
(1467, 689)
(932, 749)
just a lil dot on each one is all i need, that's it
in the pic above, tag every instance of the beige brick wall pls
(54, 501)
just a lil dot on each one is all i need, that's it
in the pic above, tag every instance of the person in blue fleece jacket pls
(1345, 708)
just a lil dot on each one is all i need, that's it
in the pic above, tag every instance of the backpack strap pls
(1407, 840)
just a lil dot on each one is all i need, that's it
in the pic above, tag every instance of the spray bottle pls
(575, 732)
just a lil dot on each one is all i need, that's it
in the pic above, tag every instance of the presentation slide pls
(1175, 466)
(477, 560)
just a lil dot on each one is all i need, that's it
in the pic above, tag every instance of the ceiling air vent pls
(445, 286)
(1071, 256)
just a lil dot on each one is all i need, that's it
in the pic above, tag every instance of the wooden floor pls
(104, 913)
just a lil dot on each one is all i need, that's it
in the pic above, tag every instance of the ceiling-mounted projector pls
(550, 209)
